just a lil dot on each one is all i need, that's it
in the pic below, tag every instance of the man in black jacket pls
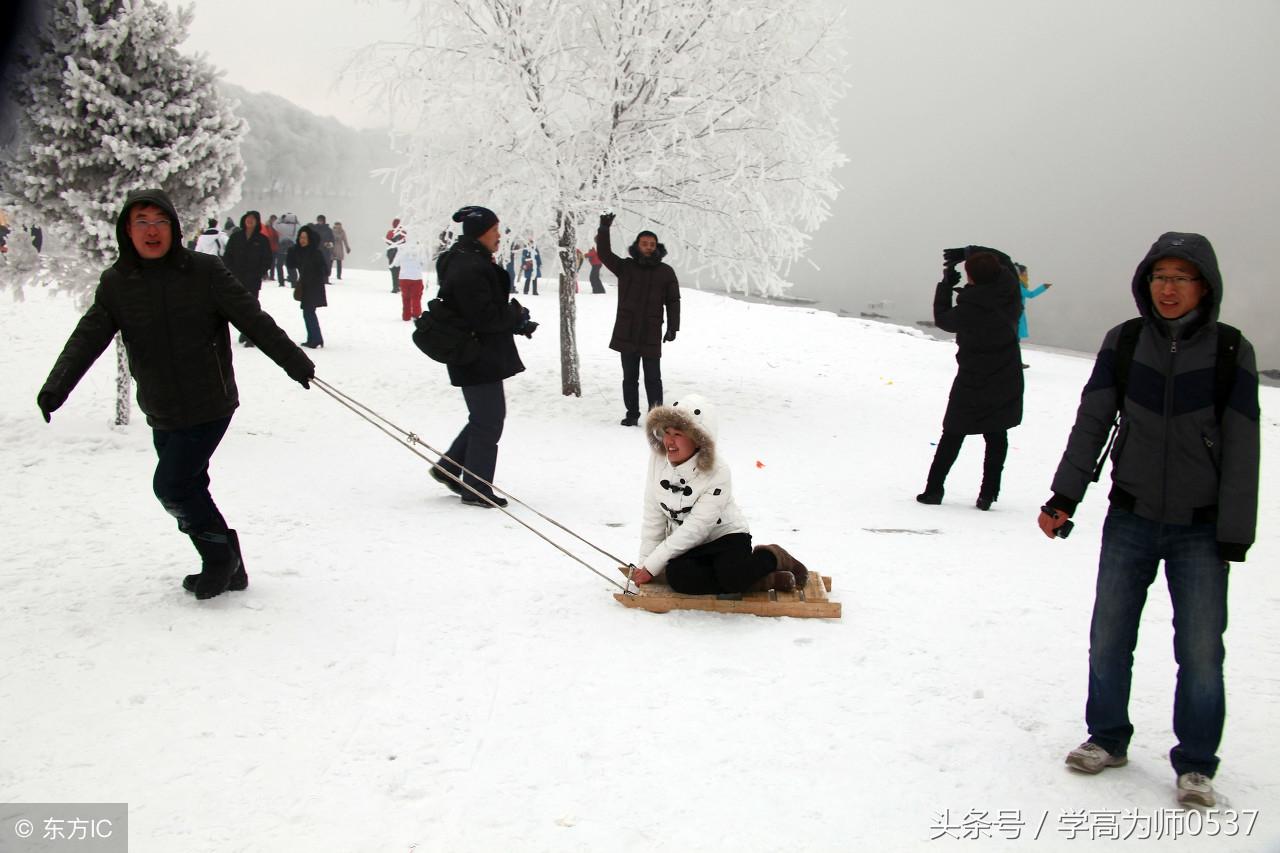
(476, 289)
(646, 286)
(1184, 473)
(248, 256)
(171, 306)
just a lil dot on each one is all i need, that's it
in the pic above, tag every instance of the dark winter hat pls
(475, 220)
(647, 234)
(983, 268)
(153, 197)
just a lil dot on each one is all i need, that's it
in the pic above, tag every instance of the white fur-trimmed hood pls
(693, 416)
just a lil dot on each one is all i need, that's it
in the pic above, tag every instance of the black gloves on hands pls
(950, 276)
(954, 256)
(47, 405)
(301, 369)
(606, 220)
(669, 336)
(526, 326)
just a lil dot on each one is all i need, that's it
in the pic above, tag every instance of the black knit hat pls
(647, 234)
(475, 220)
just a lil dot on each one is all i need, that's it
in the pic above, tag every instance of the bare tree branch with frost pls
(708, 121)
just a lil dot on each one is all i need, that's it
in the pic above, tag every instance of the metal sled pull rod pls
(411, 438)
(408, 440)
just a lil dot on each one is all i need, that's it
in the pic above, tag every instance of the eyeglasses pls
(1176, 280)
(150, 223)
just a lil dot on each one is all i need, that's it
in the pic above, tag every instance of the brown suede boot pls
(781, 581)
(787, 563)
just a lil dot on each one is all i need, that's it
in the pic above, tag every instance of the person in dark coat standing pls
(248, 257)
(477, 289)
(986, 396)
(324, 235)
(313, 274)
(172, 306)
(645, 286)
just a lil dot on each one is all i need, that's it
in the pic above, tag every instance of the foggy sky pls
(1069, 134)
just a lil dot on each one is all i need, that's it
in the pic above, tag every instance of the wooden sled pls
(656, 597)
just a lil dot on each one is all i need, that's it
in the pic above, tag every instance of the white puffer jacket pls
(689, 504)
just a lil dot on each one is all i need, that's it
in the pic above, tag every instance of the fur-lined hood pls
(693, 416)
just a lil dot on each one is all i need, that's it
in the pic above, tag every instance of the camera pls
(1065, 530)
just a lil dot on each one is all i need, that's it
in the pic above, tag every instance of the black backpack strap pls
(1126, 345)
(1224, 369)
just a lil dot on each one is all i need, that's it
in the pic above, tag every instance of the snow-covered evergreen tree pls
(709, 121)
(106, 103)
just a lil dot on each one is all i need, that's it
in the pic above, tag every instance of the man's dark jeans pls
(476, 447)
(631, 362)
(181, 481)
(1132, 549)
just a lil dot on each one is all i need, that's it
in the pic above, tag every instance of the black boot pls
(239, 578)
(992, 469)
(943, 458)
(220, 564)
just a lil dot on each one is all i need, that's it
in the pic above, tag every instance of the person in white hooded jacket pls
(692, 530)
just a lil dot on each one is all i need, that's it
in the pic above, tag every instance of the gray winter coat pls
(1172, 461)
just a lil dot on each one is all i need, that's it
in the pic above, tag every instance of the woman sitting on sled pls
(692, 529)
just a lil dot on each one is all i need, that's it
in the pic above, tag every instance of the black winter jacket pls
(248, 256)
(311, 267)
(1172, 462)
(986, 395)
(172, 314)
(645, 286)
(479, 290)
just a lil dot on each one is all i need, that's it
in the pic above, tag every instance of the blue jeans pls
(312, 323)
(1132, 549)
(181, 481)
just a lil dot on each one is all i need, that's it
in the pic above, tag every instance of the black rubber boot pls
(222, 567)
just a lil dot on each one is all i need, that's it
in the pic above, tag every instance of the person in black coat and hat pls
(986, 396)
(478, 290)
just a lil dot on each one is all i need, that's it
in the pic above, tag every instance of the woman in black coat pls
(248, 256)
(986, 396)
(478, 291)
(312, 275)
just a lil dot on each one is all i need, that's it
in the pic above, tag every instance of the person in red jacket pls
(269, 231)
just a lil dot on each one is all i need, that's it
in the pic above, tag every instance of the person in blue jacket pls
(1027, 293)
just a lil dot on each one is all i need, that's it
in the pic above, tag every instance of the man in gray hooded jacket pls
(1184, 490)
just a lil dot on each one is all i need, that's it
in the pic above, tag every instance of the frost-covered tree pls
(106, 103)
(709, 121)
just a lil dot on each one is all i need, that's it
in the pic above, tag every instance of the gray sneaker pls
(1090, 758)
(1196, 789)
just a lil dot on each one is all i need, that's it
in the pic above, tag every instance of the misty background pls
(1068, 134)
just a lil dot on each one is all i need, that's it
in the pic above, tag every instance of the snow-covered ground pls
(406, 671)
